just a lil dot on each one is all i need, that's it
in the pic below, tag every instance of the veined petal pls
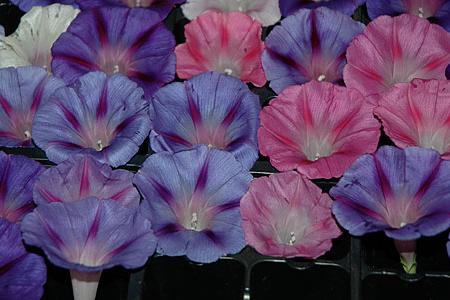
(30, 44)
(26, 5)
(289, 7)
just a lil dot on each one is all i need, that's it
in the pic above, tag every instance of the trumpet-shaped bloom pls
(418, 114)
(386, 54)
(289, 7)
(162, 7)
(287, 215)
(316, 51)
(26, 5)
(229, 43)
(192, 198)
(90, 235)
(266, 12)
(438, 10)
(81, 177)
(318, 129)
(30, 44)
(132, 42)
(105, 117)
(22, 274)
(22, 92)
(17, 177)
(211, 109)
(406, 193)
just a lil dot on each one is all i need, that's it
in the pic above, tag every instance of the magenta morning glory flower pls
(437, 10)
(162, 7)
(192, 198)
(26, 5)
(105, 117)
(81, 177)
(316, 51)
(88, 236)
(22, 274)
(22, 92)
(17, 176)
(405, 193)
(211, 109)
(289, 7)
(132, 42)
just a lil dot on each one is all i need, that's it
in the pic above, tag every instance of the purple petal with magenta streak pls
(26, 5)
(406, 193)
(17, 177)
(162, 7)
(309, 45)
(289, 7)
(80, 177)
(22, 92)
(133, 42)
(90, 235)
(22, 274)
(103, 116)
(192, 198)
(211, 109)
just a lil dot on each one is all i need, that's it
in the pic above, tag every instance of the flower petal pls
(27, 5)
(289, 7)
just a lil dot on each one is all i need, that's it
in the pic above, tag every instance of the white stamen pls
(420, 12)
(194, 221)
(116, 69)
(138, 3)
(228, 71)
(317, 156)
(27, 134)
(402, 224)
(240, 8)
(292, 239)
(210, 146)
(321, 77)
(99, 145)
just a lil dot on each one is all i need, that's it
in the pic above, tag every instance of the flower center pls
(113, 61)
(138, 3)
(317, 148)
(98, 137)
(434, 140)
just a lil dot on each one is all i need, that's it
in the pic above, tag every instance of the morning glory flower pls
(192, 198)
(26, 5)
(405, 193)
(289, 7)
(287, 215)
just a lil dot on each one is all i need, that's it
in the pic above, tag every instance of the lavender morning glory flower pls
(17, 176)
(192, 198)
(81, 177)
(22, 274)
(289, 7)
(88, 236)
(405, 193)
(22, 92)
(98, 115)
(26, 5)
(316, 51)
(437, 10)
(132, 42)
(211, 109)
(162, 7)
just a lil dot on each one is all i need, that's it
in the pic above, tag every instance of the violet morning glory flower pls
(162, 7)
(132, 42)
(211, 109)
(436, 10)
(22, 92)
(26, 5)
(88, 236)
(22, 274)
(309, 45)
(17, 176)
(192, 198)
(289, 7)
(98, 115)
(81, 177)
(405, 193)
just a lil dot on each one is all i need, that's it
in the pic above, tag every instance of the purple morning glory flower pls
(289, 7)
(405, 193)
(211, 109)
(22, 92)
(105, 117)
(316, 51)
(88, 236)
(17, 176)
(162, 7)
(81, 177)
(26, 5)
(437, 10)
(132, 42)
(22, 274)
(192, 198)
